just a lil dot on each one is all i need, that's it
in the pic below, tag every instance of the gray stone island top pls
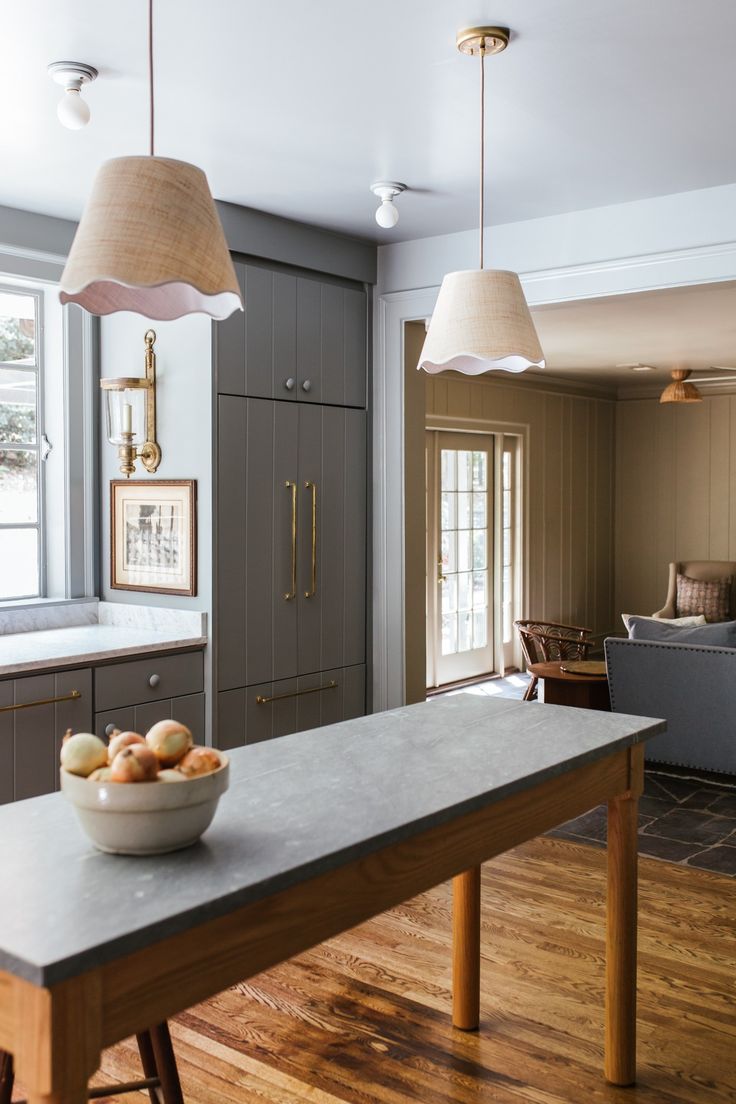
(297, 807)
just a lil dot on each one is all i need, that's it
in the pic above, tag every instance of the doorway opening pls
(473, 554)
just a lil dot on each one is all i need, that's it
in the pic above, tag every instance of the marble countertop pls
(88, 633)
(297, 807)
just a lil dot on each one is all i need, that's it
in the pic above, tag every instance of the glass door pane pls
(463, 636)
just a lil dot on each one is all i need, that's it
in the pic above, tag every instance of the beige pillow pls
(683, 622)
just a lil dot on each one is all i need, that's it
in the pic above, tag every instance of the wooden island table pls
(318, 832)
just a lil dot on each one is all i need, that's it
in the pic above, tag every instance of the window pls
(21, 444)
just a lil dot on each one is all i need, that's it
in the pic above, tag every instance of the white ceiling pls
(688, 327)
(296, 107)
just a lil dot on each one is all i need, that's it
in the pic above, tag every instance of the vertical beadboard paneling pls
(570, 460)
(675, 481)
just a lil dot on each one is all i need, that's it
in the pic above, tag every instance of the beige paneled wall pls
(569, 465)
(675, 485)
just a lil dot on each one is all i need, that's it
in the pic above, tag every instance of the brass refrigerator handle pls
(72, 696)
(308, 485)
(290, 594)
(262, 700)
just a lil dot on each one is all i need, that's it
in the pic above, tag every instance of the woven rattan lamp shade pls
(481, 322)
(679, 391)
(150, 241)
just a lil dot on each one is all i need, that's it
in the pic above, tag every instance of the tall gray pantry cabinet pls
(291, 502)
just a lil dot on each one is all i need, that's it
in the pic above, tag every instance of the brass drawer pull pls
(261, 700)
(72, 696)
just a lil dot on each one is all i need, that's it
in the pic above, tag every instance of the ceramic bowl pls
(146, 818)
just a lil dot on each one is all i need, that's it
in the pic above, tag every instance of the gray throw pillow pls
(721, 634)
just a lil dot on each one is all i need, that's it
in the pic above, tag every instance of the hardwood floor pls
(365, 1018)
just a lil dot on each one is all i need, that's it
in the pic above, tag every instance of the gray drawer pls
(147, 680)
(139, 718)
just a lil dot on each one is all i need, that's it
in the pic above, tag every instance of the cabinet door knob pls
(289, 384)
(153, 681)
(109, 729)
(307, 385)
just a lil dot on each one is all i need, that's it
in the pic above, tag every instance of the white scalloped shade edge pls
(150, 241)
(481, 322)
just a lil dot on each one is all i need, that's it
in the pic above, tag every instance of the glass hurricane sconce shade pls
(131, 415)
(150, 241)
(481, 321)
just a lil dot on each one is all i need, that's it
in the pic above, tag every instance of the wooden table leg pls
(620, 1049)
(466, 950)
(57, 1038)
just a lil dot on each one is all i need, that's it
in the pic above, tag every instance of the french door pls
(460, 512)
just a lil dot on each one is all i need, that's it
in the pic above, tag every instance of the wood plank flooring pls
(365, 1018)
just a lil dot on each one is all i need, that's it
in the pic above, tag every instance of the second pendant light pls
(481, 320)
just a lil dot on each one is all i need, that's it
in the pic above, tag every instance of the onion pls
(200, 760)
(119, 740)
(83, 753)
(135, 763)
(169, 740)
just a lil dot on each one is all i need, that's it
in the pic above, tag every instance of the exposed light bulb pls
(72, 110)
(387, 214)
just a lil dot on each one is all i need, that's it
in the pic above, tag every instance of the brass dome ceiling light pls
(150, 239)
(481, 320)
(679, 391)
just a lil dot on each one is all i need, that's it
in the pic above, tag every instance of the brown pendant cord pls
(150, 73)
(482, 52)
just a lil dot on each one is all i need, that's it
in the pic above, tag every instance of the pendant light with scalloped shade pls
(150, 239)
(481, 320)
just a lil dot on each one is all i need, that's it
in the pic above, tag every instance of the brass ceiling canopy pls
(679, 391)
(492, 40)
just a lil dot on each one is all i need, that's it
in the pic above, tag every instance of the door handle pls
(290, 594)
(308, 485)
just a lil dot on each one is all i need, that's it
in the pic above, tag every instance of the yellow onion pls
(102, 774)
(200, 760)
(83, 753)
(135, 763)
(170, 774)
(119, 740)
(169, 740)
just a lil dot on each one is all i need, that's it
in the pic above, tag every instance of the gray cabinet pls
(299, 338)
(291, 540)
(134, 694)
(30, 737)
(255, 713)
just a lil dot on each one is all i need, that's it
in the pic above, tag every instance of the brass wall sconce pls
(131, 415)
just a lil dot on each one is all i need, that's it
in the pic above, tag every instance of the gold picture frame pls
(153, 535)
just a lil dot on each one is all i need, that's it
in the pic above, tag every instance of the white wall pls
(184, 430)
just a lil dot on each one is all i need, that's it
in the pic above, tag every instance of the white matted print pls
(153, 536)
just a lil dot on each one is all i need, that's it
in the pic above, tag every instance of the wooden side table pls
(564, 688)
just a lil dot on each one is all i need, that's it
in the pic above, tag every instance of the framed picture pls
(153, 535)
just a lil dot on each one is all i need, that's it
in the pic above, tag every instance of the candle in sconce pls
(127, 418)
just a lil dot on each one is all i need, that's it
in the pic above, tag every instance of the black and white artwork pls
(153, 536)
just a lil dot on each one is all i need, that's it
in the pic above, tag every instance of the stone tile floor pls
(684, 817)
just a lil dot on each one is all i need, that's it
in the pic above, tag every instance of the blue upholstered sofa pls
(693, 687)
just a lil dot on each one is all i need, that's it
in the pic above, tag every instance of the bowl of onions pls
(143, 795)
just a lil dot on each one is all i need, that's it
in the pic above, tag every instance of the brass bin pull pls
(71, 696)
(262, 700)
(313, 487)
(290, 594)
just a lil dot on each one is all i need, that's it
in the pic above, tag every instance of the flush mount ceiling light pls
(150, 239)
(387, 215)
(679, 391)
(481, 321)
(72, 110)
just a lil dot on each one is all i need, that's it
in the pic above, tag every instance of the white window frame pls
(68, 385)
